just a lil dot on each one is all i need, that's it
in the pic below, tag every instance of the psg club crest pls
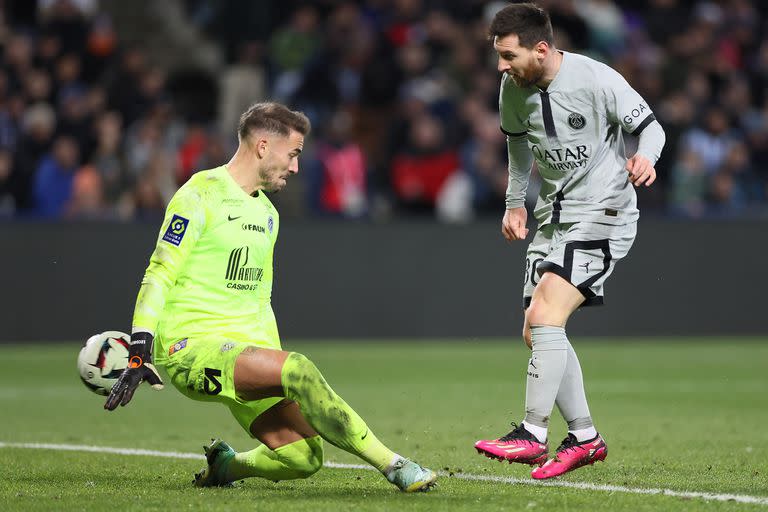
(270, 224)
(576, 121)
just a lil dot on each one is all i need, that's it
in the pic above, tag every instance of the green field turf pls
(683, 415)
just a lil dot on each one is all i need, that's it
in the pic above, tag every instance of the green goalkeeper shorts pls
(203, 368)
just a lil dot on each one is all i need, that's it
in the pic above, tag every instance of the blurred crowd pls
(402, 95)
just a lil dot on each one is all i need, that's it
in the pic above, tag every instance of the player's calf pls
(297, 460)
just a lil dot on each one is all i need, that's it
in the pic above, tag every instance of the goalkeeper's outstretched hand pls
(139, 368)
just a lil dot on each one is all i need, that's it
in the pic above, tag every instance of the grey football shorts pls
(582, 253)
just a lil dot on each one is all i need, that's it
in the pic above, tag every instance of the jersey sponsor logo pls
(179, 345)
(561, 159)
(577, 121)
(253, 227)
(239, 275)
(270, 224)
(637, 112)
(174, 233)
(234, 202)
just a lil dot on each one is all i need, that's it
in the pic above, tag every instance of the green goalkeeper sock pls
(300, 459)
(330, 416)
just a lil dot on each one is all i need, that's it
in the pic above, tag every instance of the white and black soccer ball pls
(102, 359)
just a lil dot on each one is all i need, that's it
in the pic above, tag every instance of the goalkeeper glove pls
(139, 368)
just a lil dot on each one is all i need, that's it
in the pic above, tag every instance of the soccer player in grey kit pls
(566, 112)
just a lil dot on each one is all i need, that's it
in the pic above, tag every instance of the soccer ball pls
(102, 359)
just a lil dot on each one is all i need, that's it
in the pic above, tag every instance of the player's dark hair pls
(528, 21)
(273, 118)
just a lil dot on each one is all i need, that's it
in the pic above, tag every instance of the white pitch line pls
(584, 486)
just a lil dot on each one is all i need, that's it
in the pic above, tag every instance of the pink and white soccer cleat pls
(517, 446)
(572, 454)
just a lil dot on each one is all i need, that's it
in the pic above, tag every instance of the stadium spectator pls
(241, 84)
(339, 184)
(7, 200)
(38, 125)
(291, 49)
(421, 168)
(87, 199)
(107, 157)
(54, 176)
(712, 141)
(689, 186)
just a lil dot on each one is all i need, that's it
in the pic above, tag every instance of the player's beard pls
(531, 77)
(272, 180)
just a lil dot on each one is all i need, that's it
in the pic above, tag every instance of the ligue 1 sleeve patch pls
(176, 229)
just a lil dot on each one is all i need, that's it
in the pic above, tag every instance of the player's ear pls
(541, 49)
(260, 146)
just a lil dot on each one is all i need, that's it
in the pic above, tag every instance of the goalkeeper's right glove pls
(139, 368)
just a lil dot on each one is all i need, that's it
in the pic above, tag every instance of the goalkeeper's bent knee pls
(300, 378)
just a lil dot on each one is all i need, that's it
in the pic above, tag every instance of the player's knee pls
(538, 313)
(298, 368)
(300, 365)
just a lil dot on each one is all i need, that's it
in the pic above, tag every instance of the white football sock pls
(539, 432)
(584, 434)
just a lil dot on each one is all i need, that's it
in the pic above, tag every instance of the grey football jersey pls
(574, 132)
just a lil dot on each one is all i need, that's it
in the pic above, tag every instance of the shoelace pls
(399, 464)
(518, 433)
(568, 443)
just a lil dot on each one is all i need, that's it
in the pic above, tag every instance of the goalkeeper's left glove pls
(139, 368)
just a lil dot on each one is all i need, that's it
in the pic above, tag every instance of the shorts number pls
(210, 378)
(530, 271)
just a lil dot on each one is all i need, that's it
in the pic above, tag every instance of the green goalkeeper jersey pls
(211, 271)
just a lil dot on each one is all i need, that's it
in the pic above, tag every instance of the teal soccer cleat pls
(218, 454)
(410, 477)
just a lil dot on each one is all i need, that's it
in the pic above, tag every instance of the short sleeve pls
(624, 105)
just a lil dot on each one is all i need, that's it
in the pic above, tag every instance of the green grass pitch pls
(679, 414)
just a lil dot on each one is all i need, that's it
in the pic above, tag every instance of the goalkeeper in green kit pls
(203, 312)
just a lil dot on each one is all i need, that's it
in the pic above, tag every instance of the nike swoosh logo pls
(233, 218)
(364, 435)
